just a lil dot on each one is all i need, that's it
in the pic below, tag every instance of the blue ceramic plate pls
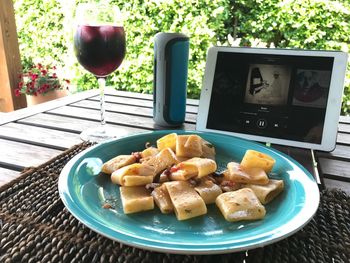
(83, 193)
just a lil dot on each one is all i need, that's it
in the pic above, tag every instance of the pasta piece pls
(187, 203)
(134, 180)
(135, 199)
(189, 146)
(164, 159)
(162, 199)
(149, 152)
(253, 159)
(164, 176)
(266, 193)
(117, 162)
(237, 174)
(240, 205)
(183, 171)
(125, 175)
(208, 191)
(181, 159)
(204, 166)
(167, 141)
(208, 150)
(196, 166)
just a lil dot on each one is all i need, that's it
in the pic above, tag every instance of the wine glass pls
(99, 45)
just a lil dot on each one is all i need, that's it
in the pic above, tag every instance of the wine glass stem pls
(102, 85)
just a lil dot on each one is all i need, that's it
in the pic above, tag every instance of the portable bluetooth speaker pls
(170, 78)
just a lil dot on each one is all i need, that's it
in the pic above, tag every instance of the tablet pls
(282, 96)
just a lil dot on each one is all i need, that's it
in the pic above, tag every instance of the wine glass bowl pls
(99, 45)
(100, 49)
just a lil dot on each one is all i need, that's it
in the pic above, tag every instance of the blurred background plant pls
(45, 30)
(40, 79)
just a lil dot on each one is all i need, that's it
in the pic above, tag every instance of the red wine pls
(99, 49)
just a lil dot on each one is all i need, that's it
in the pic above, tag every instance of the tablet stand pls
(314, 163)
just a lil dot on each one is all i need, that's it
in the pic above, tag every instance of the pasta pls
(142, 174)
(266, 193)
(254, 159)
(117, 162)
(254, 175)
(240, 205)
(180, 176)
(135, 199)
(189, 146)
(167, 141)
(164, 159)
(186, 201)
(162, 199)
(198, 167)
(208, 191)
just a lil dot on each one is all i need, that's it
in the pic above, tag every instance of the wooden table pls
(31, 136)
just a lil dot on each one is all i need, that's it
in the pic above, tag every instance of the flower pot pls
(40, 98)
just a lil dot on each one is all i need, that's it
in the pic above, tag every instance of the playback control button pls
(261, 123)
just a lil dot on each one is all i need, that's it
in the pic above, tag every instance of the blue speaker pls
(170, 78)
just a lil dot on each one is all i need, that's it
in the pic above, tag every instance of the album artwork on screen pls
(277, 96)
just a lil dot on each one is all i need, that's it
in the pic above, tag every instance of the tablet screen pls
(278, 96)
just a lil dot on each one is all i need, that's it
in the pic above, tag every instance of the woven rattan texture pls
(36, 227)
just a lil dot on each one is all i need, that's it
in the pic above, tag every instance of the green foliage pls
(201, 20)
(46, 27)
(316, 24)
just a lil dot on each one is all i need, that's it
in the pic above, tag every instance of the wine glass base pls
(99, 134)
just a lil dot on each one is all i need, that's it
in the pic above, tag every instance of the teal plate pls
(83, 192)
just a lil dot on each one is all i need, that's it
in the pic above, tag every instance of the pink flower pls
(34, 76)
(17, 92)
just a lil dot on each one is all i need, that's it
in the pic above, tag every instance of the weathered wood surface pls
(10, 61)
(111, 117)
(31, 136)
(7, 175)
(38, 136)
(132, 110)
(139, 102)
(19, 155)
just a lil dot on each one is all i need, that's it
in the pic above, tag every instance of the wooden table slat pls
(17, 154)
(69, 124)
(341, 152)
(26, 112)
(144, 96)
(344, 119)
(120, 108)
(138, 102)
(343, 138)
(39, 136)
(7, 175)
(111, 117)
(335, 184)
(335, 169)
(345, 128)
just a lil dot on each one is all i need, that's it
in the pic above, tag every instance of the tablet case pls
(170, 78)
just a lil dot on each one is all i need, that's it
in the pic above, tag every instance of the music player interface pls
(275, 96)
